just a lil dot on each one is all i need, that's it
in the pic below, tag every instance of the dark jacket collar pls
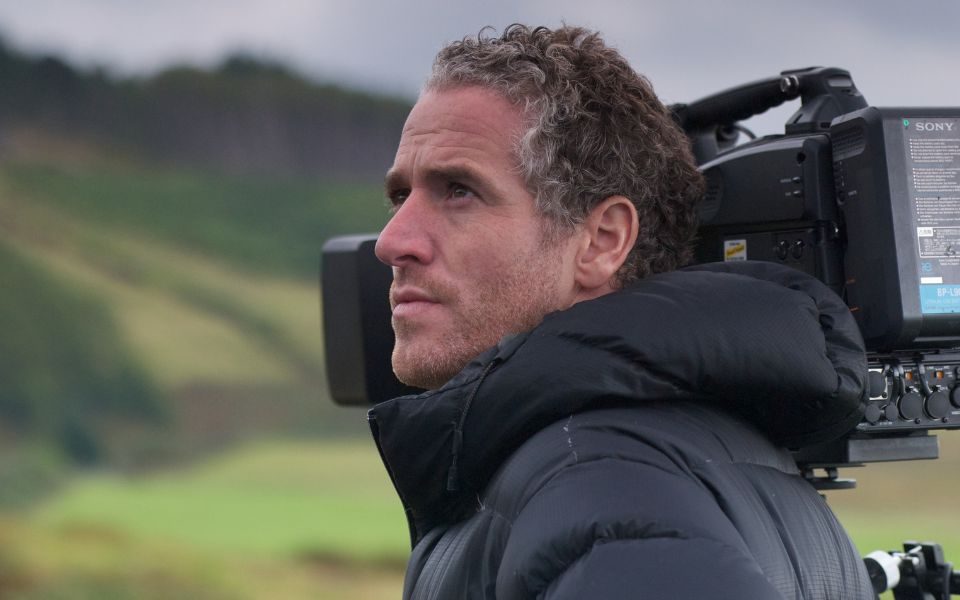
(766, 342)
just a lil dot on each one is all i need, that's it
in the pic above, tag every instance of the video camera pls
(865, 199)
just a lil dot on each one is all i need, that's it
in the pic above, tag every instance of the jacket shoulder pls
(631, 487)
(616, 476)
(673, 436)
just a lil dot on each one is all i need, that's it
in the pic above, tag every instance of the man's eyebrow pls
(397, 180)
(393, 180)
(457, 173)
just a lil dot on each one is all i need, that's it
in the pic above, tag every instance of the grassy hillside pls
(61, 342)
(164, 287)
(263, 226)
(267, 225)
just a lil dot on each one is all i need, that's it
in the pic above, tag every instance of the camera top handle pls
(825, 93)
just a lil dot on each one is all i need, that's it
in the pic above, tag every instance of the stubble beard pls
(516, 302)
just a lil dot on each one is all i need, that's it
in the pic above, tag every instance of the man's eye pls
(397, 198)
(458, 191)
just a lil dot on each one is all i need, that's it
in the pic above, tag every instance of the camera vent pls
(847, 143)
(711, 198)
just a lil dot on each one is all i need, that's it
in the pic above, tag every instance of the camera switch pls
(781, 249)
(797, 249)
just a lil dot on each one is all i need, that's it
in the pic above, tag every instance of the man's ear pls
(608, 234)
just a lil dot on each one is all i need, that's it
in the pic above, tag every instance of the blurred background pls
(168, 174)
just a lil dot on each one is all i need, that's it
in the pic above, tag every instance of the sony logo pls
(933, 126)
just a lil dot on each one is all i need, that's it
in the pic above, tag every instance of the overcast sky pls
(900, 53)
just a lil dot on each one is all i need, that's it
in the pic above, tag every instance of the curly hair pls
(594, 129)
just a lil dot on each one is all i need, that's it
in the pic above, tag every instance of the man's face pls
(467, 247)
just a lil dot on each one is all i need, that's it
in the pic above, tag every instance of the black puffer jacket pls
(603, 455)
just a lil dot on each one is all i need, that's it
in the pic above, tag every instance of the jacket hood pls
(766, 342)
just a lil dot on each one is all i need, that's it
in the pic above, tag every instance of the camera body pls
(865, 199)
(870, 206)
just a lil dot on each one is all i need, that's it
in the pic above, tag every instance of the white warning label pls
(942, 242)
(734, 250)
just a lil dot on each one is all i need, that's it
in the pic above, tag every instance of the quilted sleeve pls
(613, 528)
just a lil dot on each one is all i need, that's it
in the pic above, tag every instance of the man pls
(582, 436)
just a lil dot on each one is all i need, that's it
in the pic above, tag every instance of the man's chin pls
(419, 378)
(425, 370)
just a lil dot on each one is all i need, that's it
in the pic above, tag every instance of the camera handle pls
(825, 93)
(920, 572)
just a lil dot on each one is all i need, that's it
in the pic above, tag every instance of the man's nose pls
(406, 237)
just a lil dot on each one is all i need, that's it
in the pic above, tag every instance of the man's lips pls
(408, 301)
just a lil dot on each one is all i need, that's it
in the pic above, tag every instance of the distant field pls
(279, 500)
(271, 520)
(323, 515)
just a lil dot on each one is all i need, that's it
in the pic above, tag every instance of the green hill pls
(159, 246)
(143, 291)
(66, 369)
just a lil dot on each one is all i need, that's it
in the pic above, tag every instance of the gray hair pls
(595, 129)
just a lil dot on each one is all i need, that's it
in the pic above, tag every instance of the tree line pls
(247, 115)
